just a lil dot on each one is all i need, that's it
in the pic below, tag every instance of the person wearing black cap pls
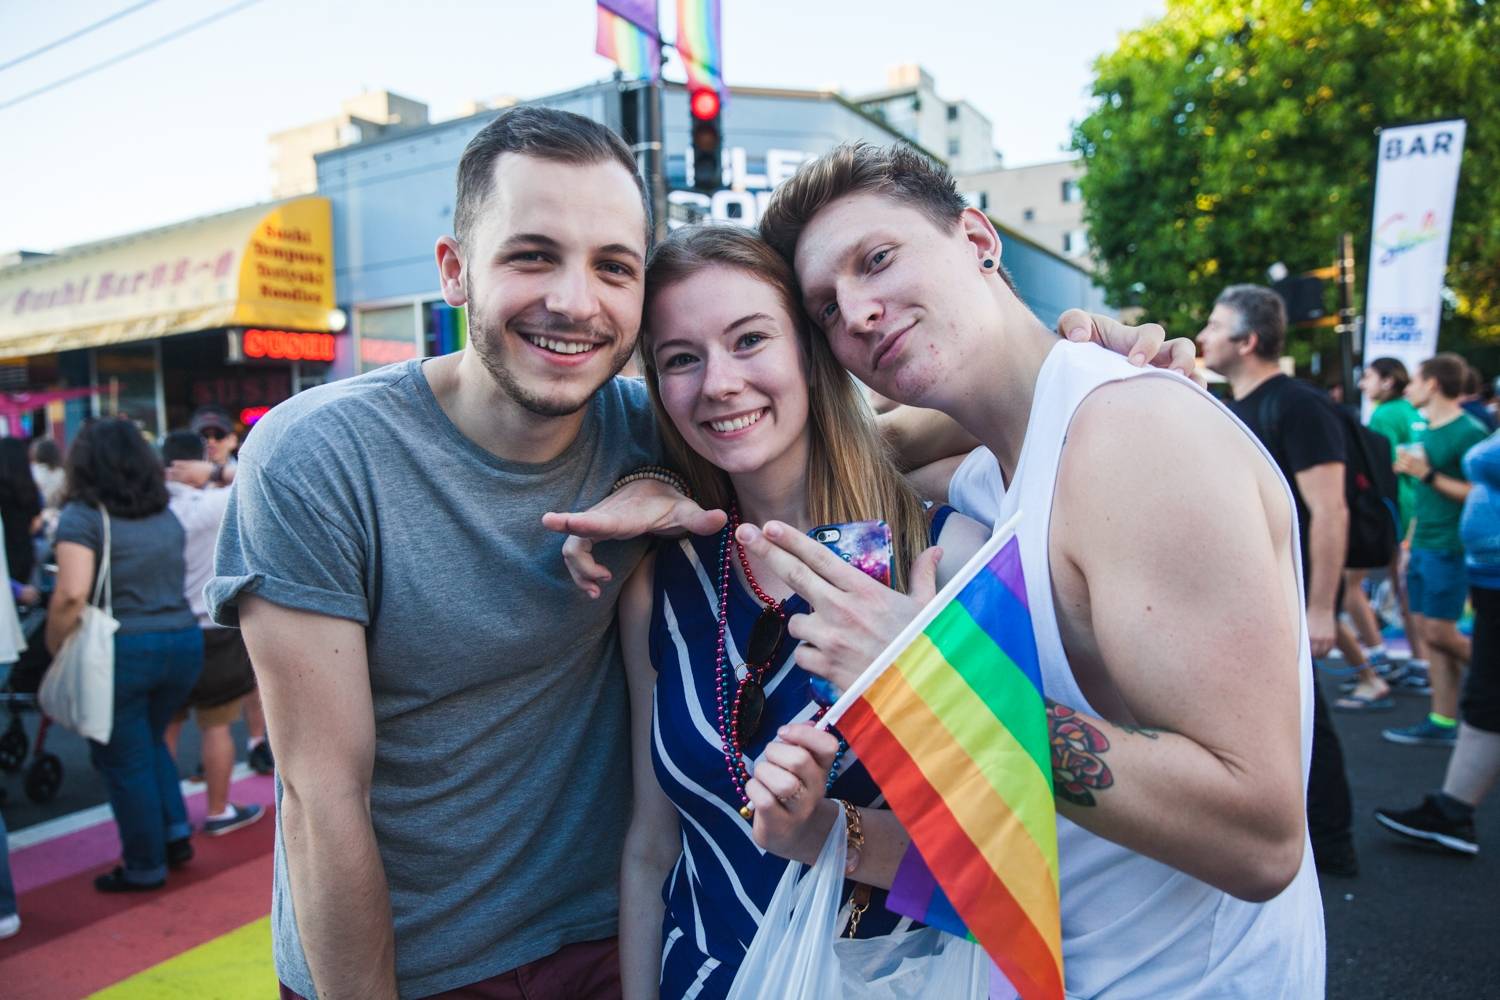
(220, 441)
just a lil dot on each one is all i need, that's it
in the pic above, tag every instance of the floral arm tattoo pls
(1077, 770)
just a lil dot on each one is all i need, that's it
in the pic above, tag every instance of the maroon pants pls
(586, 971)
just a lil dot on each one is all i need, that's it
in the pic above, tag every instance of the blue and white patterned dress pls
(720, 886)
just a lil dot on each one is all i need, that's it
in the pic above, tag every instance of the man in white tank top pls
(1176, 663)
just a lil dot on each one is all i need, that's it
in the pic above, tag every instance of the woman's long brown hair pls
(851, 475)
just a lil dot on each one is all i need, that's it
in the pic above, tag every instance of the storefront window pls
(386, 335)
(127, 378)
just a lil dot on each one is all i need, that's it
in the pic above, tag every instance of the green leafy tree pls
(1231, 134)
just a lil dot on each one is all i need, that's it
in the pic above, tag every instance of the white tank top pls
(1132, 926)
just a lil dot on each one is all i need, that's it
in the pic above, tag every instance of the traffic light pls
(1303, 295)
(708, 140)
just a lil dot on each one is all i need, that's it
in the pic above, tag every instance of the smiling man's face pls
(553, 279)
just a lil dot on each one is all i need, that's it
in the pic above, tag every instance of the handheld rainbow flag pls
(700, 43)
(627, 33)
(949, 721)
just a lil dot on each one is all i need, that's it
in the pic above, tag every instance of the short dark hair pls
(897, 171)
(1259, 311)
(545, 133)
(182, 446)
(1449, 371)
(111, 465)
(1393, 369)
(44, 451)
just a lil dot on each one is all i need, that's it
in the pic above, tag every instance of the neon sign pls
(250, 414)
(283, 345)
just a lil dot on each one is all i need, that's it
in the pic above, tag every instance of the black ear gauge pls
(989, 262)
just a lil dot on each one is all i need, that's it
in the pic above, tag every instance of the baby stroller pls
(18, 696)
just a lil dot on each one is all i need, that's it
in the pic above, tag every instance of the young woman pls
(1384, 382)
(158, 648)
(767, 425)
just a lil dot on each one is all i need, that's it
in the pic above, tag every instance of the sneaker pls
(240, 816)
(1424, 734)
(1428, 822)
(10, 926)
(116, 881)
(261, 761)
(1410, 681)
(179, 852)
(1337, 858)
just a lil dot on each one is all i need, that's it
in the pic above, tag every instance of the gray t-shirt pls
(502, 776)
(146, 565)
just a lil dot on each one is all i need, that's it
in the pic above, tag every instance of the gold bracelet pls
(657, 472)
(854, 835)
(859, 899)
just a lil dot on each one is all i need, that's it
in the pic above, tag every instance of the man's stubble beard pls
(486, 346)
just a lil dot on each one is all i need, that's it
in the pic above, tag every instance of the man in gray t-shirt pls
(448, 711)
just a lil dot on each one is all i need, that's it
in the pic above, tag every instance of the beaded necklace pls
(727, 693)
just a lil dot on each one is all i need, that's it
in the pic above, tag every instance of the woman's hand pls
(854, 618)
(792, 817)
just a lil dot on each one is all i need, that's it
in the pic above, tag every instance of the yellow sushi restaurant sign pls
(266, 266)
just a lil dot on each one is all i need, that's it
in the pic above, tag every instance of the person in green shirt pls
(1435, 579)
(1384, 382)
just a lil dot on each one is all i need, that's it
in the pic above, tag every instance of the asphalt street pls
(1415, 923)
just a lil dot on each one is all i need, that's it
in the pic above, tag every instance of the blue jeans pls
(7, 887)
(154, 671)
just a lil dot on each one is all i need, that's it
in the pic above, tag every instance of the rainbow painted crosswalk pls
(206, 936)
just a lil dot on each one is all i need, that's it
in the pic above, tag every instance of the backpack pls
(1369, 486)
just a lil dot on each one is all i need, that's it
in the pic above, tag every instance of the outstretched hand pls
(854, 617)
(645, 507)
(1144, 344)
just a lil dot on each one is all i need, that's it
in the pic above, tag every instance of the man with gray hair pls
(1243, 340)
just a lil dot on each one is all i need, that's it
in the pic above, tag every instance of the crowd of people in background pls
(158, 511)
(1437, 433)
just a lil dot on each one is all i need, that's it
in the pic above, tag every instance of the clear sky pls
(180, 131)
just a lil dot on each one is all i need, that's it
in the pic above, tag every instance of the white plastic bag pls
(78, 689)
(797, 954)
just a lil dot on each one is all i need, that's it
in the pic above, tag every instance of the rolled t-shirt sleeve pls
(81, 524)
(276, 545)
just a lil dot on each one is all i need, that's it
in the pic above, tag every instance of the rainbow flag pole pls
(949, 721)
(627, 33)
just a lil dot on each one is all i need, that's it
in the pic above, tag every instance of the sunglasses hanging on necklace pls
(742, 706)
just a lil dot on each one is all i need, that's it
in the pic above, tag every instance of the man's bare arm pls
(1322, 489)
(1196, 631)
(920, 437)
(315, 685)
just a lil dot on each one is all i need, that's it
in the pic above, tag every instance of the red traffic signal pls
(705, 104)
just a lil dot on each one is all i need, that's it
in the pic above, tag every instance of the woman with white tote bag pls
(116, 510)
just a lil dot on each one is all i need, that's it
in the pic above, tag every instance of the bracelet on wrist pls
(660, 473)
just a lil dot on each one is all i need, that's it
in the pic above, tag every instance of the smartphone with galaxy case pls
(865, 545)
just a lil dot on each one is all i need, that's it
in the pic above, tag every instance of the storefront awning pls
(269, 265)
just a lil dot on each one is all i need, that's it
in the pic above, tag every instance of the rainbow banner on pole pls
(700, 43)
(949, 721)
(628, 35)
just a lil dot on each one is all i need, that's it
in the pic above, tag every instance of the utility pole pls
(656, 159)
(1348, 349)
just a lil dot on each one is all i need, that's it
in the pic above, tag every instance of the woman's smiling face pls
(730, 369)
